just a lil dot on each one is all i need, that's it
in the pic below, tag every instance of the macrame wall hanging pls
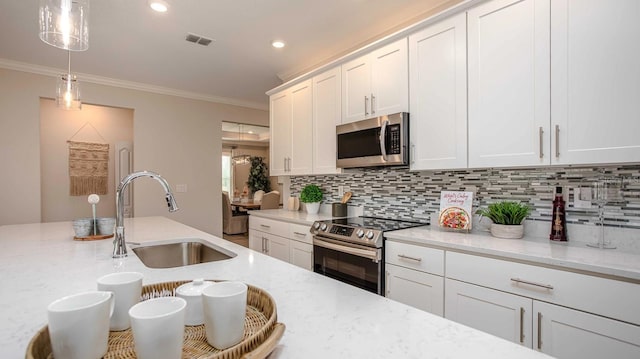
(88, 167)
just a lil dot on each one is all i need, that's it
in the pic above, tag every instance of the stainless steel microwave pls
(379, 141)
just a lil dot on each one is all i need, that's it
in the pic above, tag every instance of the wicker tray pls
(261, 331)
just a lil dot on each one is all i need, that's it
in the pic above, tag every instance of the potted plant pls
(311, 196)
(258, 179)
(507, 218)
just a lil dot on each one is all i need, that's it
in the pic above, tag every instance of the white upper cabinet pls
(595, 81)
(376, 84)
(291, 115)
(326, 115)
(301, 129)
(280, 128)
(509, 86)
(438, 90)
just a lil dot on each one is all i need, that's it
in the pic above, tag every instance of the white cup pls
(224, 306)
(192, 293)
(127, 287)
(158, 327)
(79, 325)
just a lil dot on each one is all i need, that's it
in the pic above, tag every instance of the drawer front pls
(278, 228)
(606, 297)
(300, 232)
(424, 259)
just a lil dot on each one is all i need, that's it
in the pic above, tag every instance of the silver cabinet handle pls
(263, 249)
(265, 226)
(373, 106)
(266, 245)
(546, 286)
(521, 325)
(383, 137)
(539, 331)
(413, 153)
(366, 104)
(300, 234)
(410, 258)
(285, 164)
(386, 280)
(557, 141)
(540, 132)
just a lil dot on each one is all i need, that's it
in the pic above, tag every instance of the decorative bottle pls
(558, 219)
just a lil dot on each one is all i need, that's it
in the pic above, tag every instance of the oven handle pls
(370, 254)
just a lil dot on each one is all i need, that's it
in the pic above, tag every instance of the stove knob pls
(323, 227)
(360, 233)
(316, 225)
(369, 235)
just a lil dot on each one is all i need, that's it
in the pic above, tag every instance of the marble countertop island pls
(324, 318)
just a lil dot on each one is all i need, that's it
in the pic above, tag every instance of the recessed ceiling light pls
(159, 5)
(277, 44)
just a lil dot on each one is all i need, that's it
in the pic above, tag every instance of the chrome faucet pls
(119, 244)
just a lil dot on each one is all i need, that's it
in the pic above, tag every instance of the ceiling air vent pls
(197, 39)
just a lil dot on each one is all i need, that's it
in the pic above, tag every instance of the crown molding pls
(107, 81)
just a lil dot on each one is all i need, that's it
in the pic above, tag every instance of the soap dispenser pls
(558, 219)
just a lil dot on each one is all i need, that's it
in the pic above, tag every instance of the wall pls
(96, 124)
(399, 193)
(177, 137)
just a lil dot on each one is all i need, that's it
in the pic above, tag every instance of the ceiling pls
(130, 42)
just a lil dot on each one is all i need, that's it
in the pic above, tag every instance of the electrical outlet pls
(582, 197)
(181, 188)
(340, 191)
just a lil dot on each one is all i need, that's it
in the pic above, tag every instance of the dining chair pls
(233, 222)
(270, 200)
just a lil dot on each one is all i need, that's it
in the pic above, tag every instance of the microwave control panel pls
(394, 140)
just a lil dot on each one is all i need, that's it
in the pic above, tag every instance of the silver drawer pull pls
(546, 286)
(265, 226)
(300, 234)
(410, 258)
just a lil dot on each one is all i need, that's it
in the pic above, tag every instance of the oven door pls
(359, 266)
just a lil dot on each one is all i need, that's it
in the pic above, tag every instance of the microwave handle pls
(383, 135)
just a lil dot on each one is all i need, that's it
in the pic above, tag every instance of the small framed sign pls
(455, 210)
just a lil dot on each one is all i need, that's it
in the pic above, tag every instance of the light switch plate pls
(181, 188)
(582, 197)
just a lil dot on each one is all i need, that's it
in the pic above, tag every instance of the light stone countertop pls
(299, 217)
(324, 318)
(536, 250)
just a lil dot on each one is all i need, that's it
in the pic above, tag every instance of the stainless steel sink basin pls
(181, 253)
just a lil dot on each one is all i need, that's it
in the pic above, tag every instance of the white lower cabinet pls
(288, 242)
(567, 333)
(417, 289)
(502, 314)
(532, 306)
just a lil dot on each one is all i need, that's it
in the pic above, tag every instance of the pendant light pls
(68, 90)
(65, 24)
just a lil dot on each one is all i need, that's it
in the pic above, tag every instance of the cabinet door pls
(280, 129)
(356, 89)
(255, 240)
(438, 88)
(594, 79)
(502, 314)
(566, 334)
(417, 289)
(326, 115)
(301, 254)
(390, 79)
(301, 129)
(509, 89)
(277, 247)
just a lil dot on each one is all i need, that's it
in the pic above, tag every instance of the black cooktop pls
(377, 223)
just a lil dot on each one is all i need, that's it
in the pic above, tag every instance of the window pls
(226, 173)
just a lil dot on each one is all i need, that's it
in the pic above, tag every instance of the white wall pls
(95, 124)
(176, 137)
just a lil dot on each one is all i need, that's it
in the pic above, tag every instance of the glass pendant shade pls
(65, 24)
(68, 92)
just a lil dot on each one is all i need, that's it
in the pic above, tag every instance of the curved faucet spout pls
(119, 243)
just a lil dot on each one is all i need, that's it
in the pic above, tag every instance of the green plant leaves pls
(258, 179)
(507, 212)
(311, 193)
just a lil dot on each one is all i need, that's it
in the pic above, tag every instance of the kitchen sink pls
(181, 253)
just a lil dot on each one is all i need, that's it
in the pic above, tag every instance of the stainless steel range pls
(351, 250)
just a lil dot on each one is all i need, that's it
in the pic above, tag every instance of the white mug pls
(158, 327)
(224, 306)
(127, 287)
(79, 325)
(192, 293)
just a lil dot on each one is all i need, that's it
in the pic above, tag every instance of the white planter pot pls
(313, 207)
(507, 231)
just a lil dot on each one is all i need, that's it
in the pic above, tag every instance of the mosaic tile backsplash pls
(400, 193)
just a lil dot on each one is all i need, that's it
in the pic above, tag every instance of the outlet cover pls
(181, 188)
